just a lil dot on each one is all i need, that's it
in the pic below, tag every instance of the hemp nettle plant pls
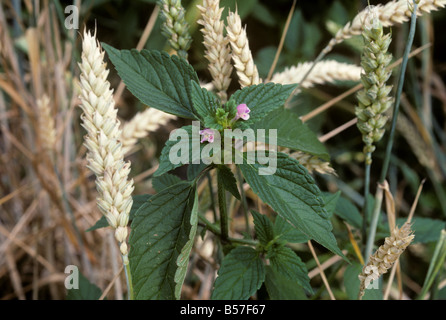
(240, 141)
(164, 227)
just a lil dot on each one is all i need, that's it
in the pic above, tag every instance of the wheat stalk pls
(217, 46)
(394, 12)
(141, 125)
(326, 71)
(241, 54)
(105, 155)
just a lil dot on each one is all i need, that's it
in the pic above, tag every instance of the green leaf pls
(284, 261)
(138, 201)
(241, 274)
(294, 37)
(346, 210)
(227, 179)
(351, 283)
(204, 102)
(280, 287)
(156, 79)
(86, 290)
(294, 195)
(263, 227)
(160, 242)
(425, 229)
(187, 148)
(291, 132)
(164, 181)
(263, 98)
(287, 232)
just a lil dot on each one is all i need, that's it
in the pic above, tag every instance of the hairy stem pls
(221, 192)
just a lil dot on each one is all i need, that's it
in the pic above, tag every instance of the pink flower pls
(242, 112)
(208, 135)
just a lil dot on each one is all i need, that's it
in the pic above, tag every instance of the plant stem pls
(214, 229)
(221, 192)
(243, 200)
(385, 167)
(366, 196)
(128, 276)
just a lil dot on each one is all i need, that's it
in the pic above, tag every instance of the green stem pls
(224, 222)
(244, 201)
(128, 276)
(385, 167)
(215, 230)
(366, 196)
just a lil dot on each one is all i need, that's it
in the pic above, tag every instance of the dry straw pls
(326, 71)
(105, 155)
(241, 54)
(141, 125)
(217, 46)
(394, 12)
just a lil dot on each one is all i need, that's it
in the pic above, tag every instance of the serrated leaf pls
(204, 102)
(138, 201)
(85, 291)
(160, 239)
(287, 232)
(280, 287)
(164, 181)
(187, 145)
(157, 79)
(291, 132)
(241, 274)
(227, 179)
(263, 227)
(261, 99)
(286, 262)
(294, 195)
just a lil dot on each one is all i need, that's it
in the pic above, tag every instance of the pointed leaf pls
(294, 195)
(204, 102)
(263, 227)
(227, 179)
(157, 79)
(261, 99)
(241, 274)
(286, 262)
(291, 132)
(160, 241)
(185, 140)
(280, 287)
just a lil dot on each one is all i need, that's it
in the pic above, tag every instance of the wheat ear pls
(105, 155)
(141, 125)
(394, 12)
(241, 54)
(326, 71)
(374, 99)
(386, 255)
(217, 46)
(175, 28)
(47, 127)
